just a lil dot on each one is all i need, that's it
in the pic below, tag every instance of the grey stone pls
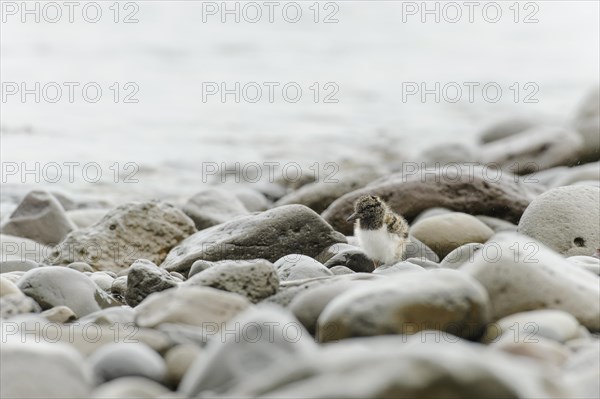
(189, 305)
(132, 231)
(445, 300)
(44, 370)
(39, 217)
(267, 338)
(213, 206)
(59, 314)
(102, 280)
(300, 267)
(131, 387)
(179, 359)
(308, 305)
(576, 174)
(80, 267)
(7, 287)
(255, 279)
(436, 211)
(199, 266)
(253, 200)
(589, 263)
(498, 225)
(505, 128)
(460, 256)
(417, 249)
(268, 235)
(341, 270)
(17, 265)
(55, 286)
(399, 267)
(465, 189)
(447, 153)
(521, 274)
(444, 233)
(145, 278)
(319, 195)
(118, 360)
(565, 219)
(538, 148)
(122, 315)
(16, 304)
(119, 288)
(22, 249)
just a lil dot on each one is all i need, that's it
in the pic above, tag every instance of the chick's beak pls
(352, 217)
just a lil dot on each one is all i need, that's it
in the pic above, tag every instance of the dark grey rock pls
(268, 235)
(145, 278)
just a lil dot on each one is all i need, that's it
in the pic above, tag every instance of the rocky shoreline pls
(262, 291)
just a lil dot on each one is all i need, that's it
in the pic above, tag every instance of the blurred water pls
(369, 53)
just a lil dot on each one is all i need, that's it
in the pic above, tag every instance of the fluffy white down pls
(380, 245)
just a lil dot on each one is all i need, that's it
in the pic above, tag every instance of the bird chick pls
(381, 233)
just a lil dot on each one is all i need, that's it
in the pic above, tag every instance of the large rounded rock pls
(55, 286)
(7, 287)
(17, 265)
(131, 387)
(444, 233)
(462, 188)
(198, 306)
(43, 370)
(534, 149)
(268, 235)
(258, 343)
(131, 231)
(577, 174)
(145, 278)
(127, 360)
(254, 279)
(521, 274)
(460, 256)
(428, 365)
(565, 219)
(39, 217)
(300, 267)
(445, 300)
(308, 305)
(213, 206)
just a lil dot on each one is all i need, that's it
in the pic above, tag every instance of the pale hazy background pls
(368, 54)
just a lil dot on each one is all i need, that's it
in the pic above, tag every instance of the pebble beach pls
(229, 270)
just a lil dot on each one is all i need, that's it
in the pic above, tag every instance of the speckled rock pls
(132, 231)
(189, 305)
(445, 300)
(300, 267)
(462, 189)
(268, 235)
(534, 149)
(213, 206)
(521, 274)
(39, 217)
(255, 279)
(575, 209)
(145, 278)
(444, 233)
